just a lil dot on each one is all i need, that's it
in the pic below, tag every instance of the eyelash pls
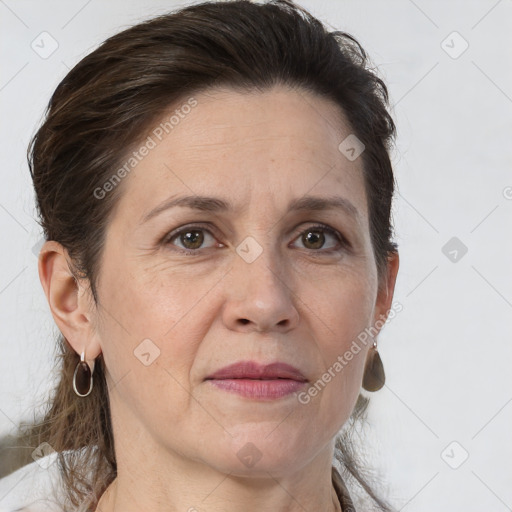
(343, 243)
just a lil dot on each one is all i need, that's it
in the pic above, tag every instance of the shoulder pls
(32, 488)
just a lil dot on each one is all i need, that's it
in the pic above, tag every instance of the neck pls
(136, 489)
(110, 500)
(155, 477)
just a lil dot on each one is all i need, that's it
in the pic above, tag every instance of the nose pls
(259, 297)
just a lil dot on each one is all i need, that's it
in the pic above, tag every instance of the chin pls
(263, 450)
(254, 467)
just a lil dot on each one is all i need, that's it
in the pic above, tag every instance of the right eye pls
(190, 237)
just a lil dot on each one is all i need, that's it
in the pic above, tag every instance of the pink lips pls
(263, 382)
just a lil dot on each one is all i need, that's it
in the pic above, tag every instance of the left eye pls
(315, 237)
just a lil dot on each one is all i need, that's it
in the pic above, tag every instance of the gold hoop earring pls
(374, 376)
(82, 378)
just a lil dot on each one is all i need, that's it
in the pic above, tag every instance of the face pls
(255, 274)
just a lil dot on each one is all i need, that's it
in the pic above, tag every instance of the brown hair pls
(107, 102)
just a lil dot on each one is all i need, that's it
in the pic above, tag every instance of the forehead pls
(271, 146)
(279, 119)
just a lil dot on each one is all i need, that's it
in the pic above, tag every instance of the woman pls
(215, 188)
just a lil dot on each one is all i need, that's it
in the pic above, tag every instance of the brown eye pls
(314, 238)
(192, 239)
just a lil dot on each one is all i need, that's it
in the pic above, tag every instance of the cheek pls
(153, 312)
(342, 315)
(152, 303)
(343, 305)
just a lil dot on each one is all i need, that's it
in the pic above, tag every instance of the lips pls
(256, 382)
(256, 371)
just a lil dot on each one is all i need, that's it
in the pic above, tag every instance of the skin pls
(176, 435)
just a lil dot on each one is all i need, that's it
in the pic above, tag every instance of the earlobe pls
(374, 376)
(67, 300)
(386, 291)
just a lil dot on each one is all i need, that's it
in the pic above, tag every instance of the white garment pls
(32, 488)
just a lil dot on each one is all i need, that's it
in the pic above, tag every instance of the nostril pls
(244, 321)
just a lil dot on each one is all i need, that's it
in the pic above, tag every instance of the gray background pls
(448, 354)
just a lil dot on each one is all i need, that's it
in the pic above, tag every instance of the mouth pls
(260, 382)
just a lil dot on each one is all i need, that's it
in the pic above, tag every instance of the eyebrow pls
(215, 204)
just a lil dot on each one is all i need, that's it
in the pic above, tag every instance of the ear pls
(69, 301)
(386, 291)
